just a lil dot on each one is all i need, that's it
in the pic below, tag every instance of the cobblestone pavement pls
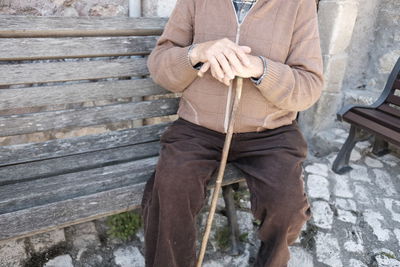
(356, 216)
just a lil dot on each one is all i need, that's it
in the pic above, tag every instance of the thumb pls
(203, 69)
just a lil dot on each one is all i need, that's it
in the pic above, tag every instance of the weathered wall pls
(65, 7)
(373, 51)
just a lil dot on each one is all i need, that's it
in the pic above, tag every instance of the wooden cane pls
(218, 182)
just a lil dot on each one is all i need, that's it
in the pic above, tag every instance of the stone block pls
(336, 24)
(157, 8)
(334, 71)
(12, 253)
(44, 241)
(322, 115)
(60, 261)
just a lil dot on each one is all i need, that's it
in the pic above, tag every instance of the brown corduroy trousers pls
(272, 163)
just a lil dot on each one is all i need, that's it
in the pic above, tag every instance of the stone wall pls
(65, 7)
(373, 50)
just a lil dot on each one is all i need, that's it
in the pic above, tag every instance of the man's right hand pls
(221, 55)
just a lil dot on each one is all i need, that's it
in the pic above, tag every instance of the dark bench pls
(381, 119)
(76, 128)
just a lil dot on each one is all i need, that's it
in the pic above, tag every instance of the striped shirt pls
(242, 7)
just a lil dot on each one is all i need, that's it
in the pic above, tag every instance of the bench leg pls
(227, 192)
(380, 147)
(341, 163)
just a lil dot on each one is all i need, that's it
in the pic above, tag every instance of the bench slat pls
(379, 117)
(76, 93)
(56, 166)
(77, 145)
(393, 99)
(396, 84)
(71, 71)
(390, 110)
(38, 192)
(48, 48)
(42, 121)
(28, 222)
(31, 26)
(376, 128)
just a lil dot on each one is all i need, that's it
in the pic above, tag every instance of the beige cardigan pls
(284, 31)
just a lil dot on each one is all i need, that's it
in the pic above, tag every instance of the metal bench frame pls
(377, 126)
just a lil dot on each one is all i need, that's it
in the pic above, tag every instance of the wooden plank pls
(394, 99)
(77, 145)
(390, 135)
(28, 222)
(43, 121)
(71, 71)
(396, 84)
(38, 192)
(31, 26)
(390, 110)
(70, 47)
(74, 163)
(79, 92)
(379, 117)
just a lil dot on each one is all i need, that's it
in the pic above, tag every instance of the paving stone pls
(373, 163)
(397, 234)
(300, 257)
(346, 216)
(328, 250)
(362, 194)
(383, 180)
(44, 241)
(356, 263)
(391, 205)
(60, 261)
(12, 253)
(386, 258)
(363, 145)
(342, 188)
(84, 235)
(245, 221)
(346, 204)
(360, 173)
(354, 241)
(322, 214)
(128, 257)
(374, 218)
(355, 155)
(317, 168)
(318, 187)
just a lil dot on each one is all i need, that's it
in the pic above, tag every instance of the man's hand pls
(255, 69)
(224, 57)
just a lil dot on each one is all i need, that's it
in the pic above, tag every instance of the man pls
(274, 46)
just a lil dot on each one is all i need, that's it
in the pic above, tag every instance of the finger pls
(235, 63)
(242, 56)
(217, 68)
(213, 73)
(203, 69)
(223, 62)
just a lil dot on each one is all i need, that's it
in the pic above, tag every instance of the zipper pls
(229, 97)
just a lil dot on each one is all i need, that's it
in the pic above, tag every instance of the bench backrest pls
(61, 78)
(391, 97)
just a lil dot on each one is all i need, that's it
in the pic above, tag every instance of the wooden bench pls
(77, 141)
(381, 119)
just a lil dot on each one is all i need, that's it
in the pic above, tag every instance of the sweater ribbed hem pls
(183, 65)
(273, 81)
